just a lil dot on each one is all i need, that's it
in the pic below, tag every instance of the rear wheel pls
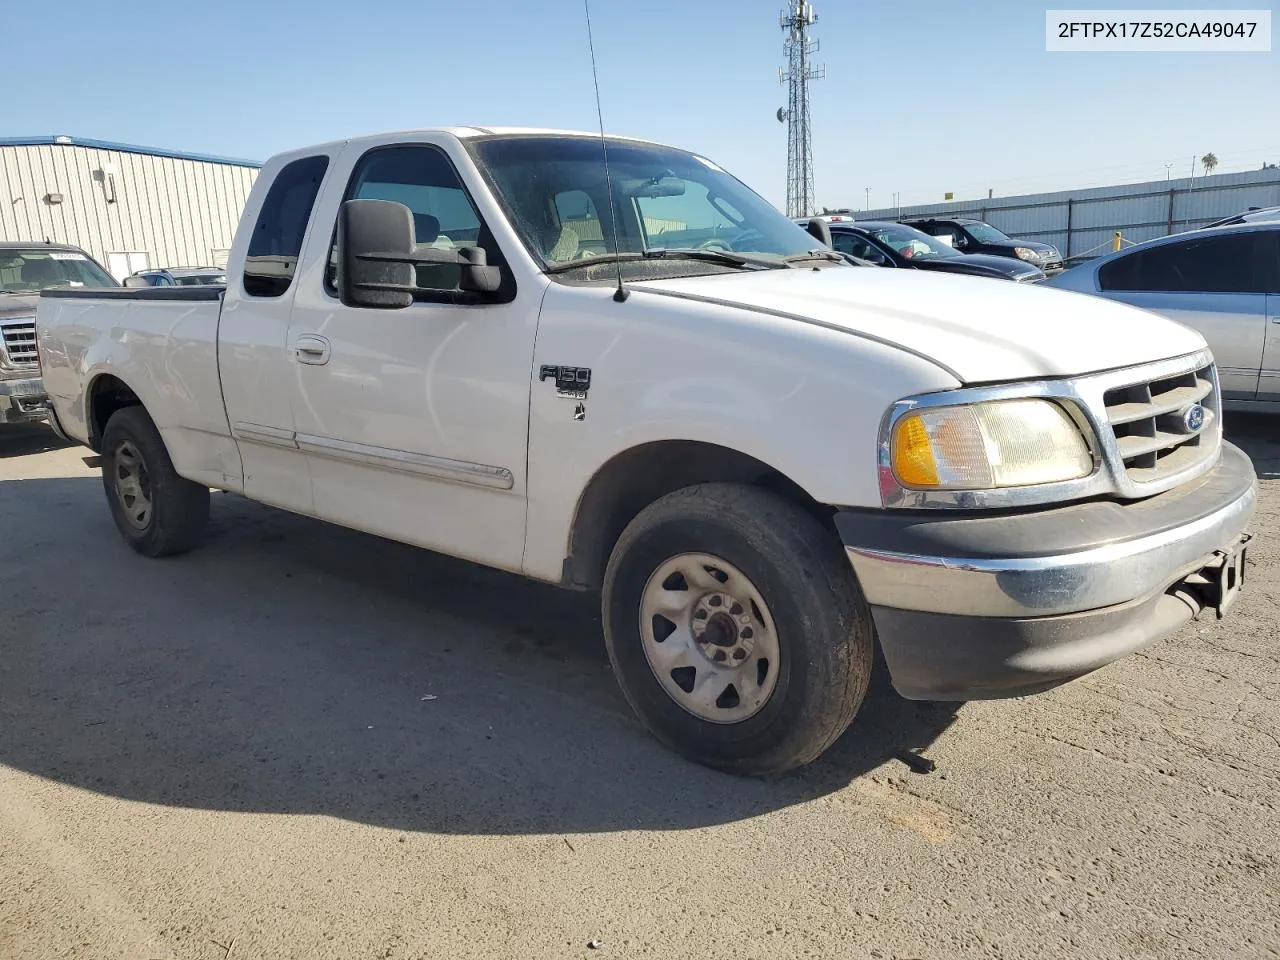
(736, 628)
(156, 511)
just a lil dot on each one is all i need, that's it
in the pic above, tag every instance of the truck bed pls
(159, 343)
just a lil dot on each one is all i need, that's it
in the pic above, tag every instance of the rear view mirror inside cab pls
(661, 187)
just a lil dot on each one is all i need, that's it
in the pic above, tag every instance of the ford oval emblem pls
(1193, 418)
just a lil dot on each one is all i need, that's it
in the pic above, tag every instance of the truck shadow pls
(22, 439)
(290, 666)
(1258, 435)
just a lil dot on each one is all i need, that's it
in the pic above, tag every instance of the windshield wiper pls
(834, 256)
(672, 253)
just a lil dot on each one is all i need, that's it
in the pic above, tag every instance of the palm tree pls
(1208, 161)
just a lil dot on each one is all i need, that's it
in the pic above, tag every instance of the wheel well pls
(637, 477)
(107, 394)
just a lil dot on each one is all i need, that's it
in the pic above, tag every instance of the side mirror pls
(960, 241)
(818, 228)
(375, 251)
(876, 256)
(377, 254)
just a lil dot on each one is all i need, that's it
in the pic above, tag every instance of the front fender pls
(805, 400)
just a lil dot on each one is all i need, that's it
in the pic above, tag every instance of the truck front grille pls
(1163, 427)
(20, 343)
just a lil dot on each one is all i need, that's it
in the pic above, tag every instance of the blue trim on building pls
(64, 141)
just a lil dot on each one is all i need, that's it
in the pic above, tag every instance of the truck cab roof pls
(463, 134)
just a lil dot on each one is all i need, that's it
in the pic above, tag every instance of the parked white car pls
(766, 459)
(1222, 282)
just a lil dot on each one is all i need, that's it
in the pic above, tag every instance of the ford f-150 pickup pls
(638, 377)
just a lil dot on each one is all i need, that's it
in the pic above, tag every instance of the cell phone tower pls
(795, 22)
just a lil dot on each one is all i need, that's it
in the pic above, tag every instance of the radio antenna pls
(621, 294)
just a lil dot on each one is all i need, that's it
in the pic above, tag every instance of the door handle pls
(311, 349)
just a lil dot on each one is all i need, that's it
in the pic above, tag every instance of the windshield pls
(554, 192)
(985, 233)
(912, 243)
(39, 269)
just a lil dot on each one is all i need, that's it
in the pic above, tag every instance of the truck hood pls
(979, 330)
(18, 304)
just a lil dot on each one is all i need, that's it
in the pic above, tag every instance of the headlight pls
(1025, 253)
(983, 446)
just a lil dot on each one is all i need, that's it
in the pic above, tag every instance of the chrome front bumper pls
(22, 400)
(985, 605)
(1047, 585)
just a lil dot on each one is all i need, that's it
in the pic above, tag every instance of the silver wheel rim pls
(133, 486)
(709, 638)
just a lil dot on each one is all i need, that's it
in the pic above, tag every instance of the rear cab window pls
(277, 236)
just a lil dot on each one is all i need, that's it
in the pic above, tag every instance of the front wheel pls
(736, 628)
(157, 511)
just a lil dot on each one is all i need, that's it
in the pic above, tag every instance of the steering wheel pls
(745, 237)
(715, 243)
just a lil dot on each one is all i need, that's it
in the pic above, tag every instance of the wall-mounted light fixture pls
(107, 177)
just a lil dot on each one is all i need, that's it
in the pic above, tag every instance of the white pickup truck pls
(651, 383)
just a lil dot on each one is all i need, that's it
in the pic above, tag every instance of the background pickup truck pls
(652, 384)
(25, 270)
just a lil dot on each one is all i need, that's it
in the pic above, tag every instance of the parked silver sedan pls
(1223, 282)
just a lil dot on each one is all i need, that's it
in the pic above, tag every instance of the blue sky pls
(920, 97)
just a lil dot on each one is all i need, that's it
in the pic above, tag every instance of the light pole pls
(868, 204)
(1168, 171)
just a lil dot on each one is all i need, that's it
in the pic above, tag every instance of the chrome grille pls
(20, 343)
(1148, 422)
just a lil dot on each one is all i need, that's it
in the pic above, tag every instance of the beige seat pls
(436, 276)
(565, 246)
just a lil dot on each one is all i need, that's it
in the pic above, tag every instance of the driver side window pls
(422, 178)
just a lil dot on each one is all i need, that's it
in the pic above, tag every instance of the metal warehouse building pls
(130, 207)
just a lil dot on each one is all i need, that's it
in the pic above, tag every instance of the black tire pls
(177, 514)
(825, 635)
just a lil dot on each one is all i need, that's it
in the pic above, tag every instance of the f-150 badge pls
(572, 383)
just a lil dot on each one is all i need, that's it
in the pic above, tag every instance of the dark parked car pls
(178, 277)
(974, 236)
(897, 245)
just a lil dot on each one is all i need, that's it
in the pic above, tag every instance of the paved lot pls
(229, 753)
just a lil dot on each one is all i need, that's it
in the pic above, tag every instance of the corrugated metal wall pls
(179, 212)
(1078, 222)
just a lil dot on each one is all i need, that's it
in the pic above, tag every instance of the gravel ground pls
(234, 755)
